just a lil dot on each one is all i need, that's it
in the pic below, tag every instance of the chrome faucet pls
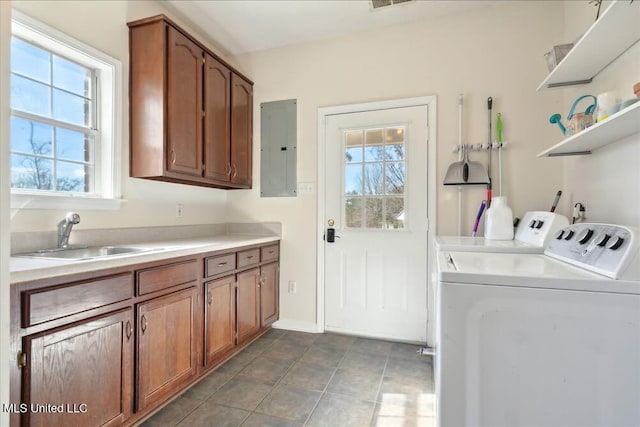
(64, 229)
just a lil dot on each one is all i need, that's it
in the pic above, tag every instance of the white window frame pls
(107, 193)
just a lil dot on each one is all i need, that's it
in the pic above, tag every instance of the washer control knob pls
(539, 224)
(569, 235)
(532, 223)
(584, 236)
(559, 235)
(616, 243)
(603, 240)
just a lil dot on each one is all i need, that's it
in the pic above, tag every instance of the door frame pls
(323, 113)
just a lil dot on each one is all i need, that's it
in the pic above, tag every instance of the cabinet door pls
(217, 133)
(248, 304)
(241, 130)
(184, 104)
(220, 318)
(269, 294)
(166, 345)
(85, 370)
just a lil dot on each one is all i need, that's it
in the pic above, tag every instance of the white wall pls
(102, 24)
(607, 182)
(496, 52)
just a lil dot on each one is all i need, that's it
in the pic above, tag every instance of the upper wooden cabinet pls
(190, 113)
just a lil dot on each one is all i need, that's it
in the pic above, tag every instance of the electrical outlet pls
(292, 287)
(179, 210)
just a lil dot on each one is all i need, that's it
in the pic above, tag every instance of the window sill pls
(55, 201)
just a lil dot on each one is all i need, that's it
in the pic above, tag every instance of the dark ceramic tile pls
(335, 340)
(366, 362)
(274, 333)
(302, 339)
(210, 414)
(207, 386)
(242, 393)
(289, 402)
(266, 370)
(366, 345)
(321, 355)
(284, 350)
(341, 411)
(173, 413)
(262, 420)
(236, 363)
(259, 346)
(408, 396)
(409, 368)
(406, 351)
(360, 384)
(308, 376)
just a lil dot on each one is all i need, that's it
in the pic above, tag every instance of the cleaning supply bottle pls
(498, 223)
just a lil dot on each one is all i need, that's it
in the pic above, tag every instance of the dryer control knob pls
(616, 243)
(559, 235)
(569, 235)
(603, 240)
(584, 236)
(532, 223)
(539, 224)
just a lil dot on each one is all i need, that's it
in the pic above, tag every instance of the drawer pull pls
(272, 251)
(129, 330)
(143, 322)
(250, 256)
(209, 297)
(222, 264)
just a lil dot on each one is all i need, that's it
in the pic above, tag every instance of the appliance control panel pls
(537, 228)
(607, 249)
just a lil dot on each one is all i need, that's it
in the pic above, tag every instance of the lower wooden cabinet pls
(84, 370)
(248, 305)
(167, 345)
(269, 294)
(220, 318)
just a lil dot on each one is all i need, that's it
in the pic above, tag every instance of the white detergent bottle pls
(498, 224)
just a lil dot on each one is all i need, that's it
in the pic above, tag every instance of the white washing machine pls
(547, 339)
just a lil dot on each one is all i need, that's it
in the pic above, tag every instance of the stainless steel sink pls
(85, 253)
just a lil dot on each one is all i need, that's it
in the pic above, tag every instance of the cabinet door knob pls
(173, 156)
(129, 330)
(229, 170)
(143, 323)
(209, 297)
(235, 171)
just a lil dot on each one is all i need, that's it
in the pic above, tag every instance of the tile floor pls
(288, 378)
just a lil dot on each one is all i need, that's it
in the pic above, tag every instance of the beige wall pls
(496, 52)
(102, 24)
(608, 181)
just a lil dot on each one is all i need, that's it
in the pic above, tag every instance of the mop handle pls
(499, 140)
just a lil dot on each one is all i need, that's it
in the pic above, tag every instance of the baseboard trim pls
(296, 325)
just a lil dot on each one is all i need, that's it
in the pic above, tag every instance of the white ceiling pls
(240, 26)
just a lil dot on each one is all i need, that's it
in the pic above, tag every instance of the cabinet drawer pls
(43, 305)
(219, 264)
(249, 257)
(268, 253)
(166, 276)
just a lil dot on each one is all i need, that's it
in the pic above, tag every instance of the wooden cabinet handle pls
(209, 297)
(129, 330)
(143, 323)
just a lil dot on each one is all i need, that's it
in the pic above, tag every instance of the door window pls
(374, 178)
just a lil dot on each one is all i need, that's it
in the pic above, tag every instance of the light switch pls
(305, 188)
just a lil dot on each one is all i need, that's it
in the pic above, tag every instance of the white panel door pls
(376, 200)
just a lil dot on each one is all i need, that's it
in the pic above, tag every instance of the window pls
(64, 119)
(374, 178)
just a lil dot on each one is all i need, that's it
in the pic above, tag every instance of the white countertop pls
(25, 269)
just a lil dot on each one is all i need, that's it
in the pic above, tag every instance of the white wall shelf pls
(620, 125)
(610, 36)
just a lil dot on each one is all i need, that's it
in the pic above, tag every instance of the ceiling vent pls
(377, 4)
